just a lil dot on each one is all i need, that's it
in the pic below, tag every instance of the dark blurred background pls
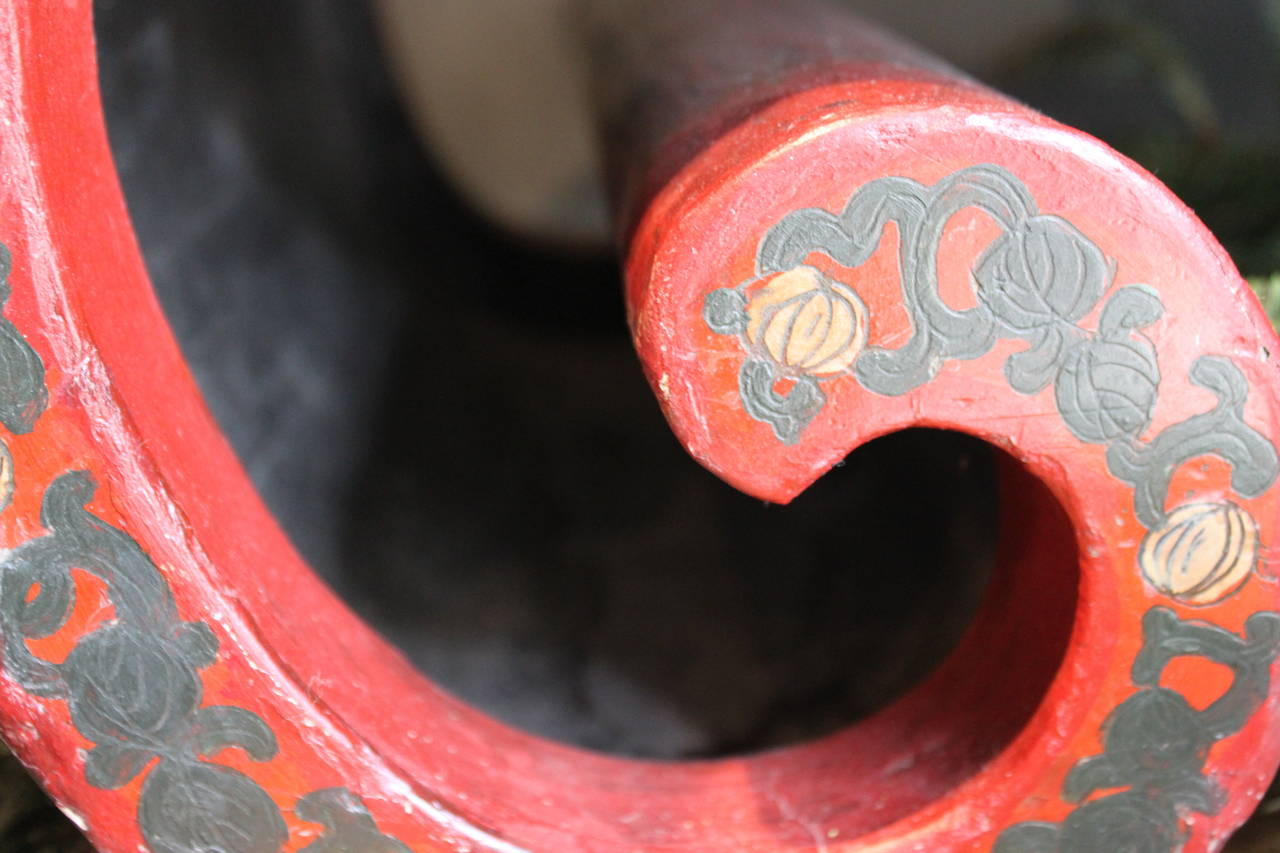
(448, 419)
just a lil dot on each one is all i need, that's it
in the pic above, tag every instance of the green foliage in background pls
(1268, 290)
(1233, 184)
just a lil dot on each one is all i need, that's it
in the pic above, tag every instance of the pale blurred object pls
(492, 85)
(495, 90)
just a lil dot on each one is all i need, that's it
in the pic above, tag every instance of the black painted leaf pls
(1262, 631)
(1131, 822)
(1167, 636)
(197, 644)
(1152, 739)
(725, 311)
(125, 686)
(1156, 744)
(1133, 307)
(788, 413)
(348, 824)
(22, 390)
(35, 563)
(46, 613)
(850, 238)
(110, 765)
(23, 395)
(216, 727)
(194, 807)
(803, 231)
(1221, 431)
(1041, 273)
(1197, 793)
(1028, 838)
(141, 596)
(1107, 388)
(62, 510)
(1030, 370)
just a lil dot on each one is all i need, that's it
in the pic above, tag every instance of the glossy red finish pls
(812, 150)
(984, 743)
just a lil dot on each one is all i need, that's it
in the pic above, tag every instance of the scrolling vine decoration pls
(133, 685)
(1156, 744)
(1035, 282)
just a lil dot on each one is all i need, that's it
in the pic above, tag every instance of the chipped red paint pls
(986, 742)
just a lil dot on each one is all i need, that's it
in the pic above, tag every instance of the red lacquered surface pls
(706, 232)
(352, 750)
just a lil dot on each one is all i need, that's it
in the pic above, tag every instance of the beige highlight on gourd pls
(1201, 553)
(807, 323)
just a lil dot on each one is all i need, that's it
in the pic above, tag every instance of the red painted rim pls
(731, 228)
(320, 733)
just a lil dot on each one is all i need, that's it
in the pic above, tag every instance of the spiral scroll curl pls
(133, 685)
(1034, 282)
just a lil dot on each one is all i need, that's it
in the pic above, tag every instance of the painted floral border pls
(1035, 282)
(133, 684)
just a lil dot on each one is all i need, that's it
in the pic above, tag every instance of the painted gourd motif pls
(806, 323)
(1201, 552)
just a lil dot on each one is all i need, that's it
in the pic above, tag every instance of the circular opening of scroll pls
(633, 605)
(921, 746)
(917, 564)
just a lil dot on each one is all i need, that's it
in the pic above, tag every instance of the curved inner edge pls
(902, 759)
(878, 771)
